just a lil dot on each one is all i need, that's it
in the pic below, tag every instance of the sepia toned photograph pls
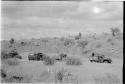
(61, 42)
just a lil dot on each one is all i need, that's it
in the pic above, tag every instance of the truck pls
(100, 58)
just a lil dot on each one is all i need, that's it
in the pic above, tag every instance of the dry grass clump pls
(11, 54)
(86, 51)
(68, 42)
(14, 77)
(81, 43)
(49, 61)
(73, 61)
(3, 73)
(4, 55)
(64, 76)
(59, 76)
(107, 79)
(45, 40)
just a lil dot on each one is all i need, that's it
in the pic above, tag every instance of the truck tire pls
(91, 60)
(105, 61)
(109, 61)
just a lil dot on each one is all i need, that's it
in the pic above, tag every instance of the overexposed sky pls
(27, 19)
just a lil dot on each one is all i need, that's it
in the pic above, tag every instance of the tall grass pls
(107, 79)
(64, 76)
(82, 44)
(15, 77)
(12, 61)
(49, 61)
(73, 61)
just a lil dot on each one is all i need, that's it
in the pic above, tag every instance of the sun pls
(96, 10)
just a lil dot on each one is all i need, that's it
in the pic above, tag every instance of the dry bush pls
(59, 76)
(45, 40)
(3, 73)
(68, 42)
(119, 37)
(4, 55)
(12, 76)
(107, 79)
(64, 76)
(73, 61)
(23, 43)
(86, 51)
(12, 41)
(81, 43)
(12, 61)
(16, 78)
(115, 31)
(49, 61)
(11, 54)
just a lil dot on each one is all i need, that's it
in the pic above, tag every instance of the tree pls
(12, 41)
(115, 31)
(78, 36)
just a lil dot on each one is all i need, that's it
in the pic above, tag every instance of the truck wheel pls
(109, 61)
(100, 61)
(91, 60)
(105, 61)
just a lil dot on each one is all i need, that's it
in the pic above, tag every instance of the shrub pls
(73, 61)
(3, 73)
(78, 36)
(4, 55)
(115, 31)
(68, 42)
(82, 44)
(23, 43)
(45, 40)
(59, 76)
(11, 54)
(65, 76)
(12, 41)
(49, 61)
(14, 76)
(12, 61)
(86, 51)
(17, 78)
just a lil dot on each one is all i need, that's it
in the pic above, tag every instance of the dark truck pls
(100, 58)
(37, 56)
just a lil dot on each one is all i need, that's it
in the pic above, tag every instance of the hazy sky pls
(27, 19)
